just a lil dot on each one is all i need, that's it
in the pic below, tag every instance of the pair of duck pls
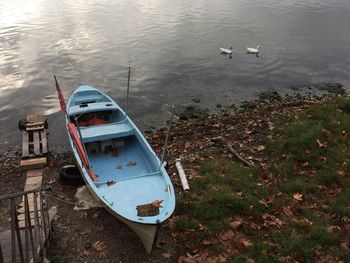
(250, 50)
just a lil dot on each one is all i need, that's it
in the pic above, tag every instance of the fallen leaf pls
(333, 229)
(255, 226)
(298, 197)
(86, 252)
(261, 148)
(237, 222)
(184, 259)
(206, 242)
(131, 164)
(101, 248)
(271, 220)
(166, 255)
(187, 145)
(247, 243)
(287, 210)
(226, 235)
(202, 227)
(263, 202)
(334, 192)
(321, 145)
(341, 173)
(306, 164)
(323, 159)
(96, 215)
(85, 231)
(109, 183)
(115, 153)
(243, 245)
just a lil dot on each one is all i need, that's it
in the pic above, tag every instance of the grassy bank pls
(292, 205)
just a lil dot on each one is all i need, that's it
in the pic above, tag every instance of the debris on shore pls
(282, 194)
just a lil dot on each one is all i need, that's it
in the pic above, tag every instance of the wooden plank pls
(22, 209)
(25, 145)
(35, 172)
(35, 118)
(30, 201)
(44, 141)
(33, 163)
(33, 124)
(35, 128)
(21, 217)
(34, 180)
(22, 223)
(36, 143)
(33, 183)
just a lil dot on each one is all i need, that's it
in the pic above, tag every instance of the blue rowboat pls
(117, 163)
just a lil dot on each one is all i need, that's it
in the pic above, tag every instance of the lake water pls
(173, 49)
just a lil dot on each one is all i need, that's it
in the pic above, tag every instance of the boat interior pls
(98, 117)
(114, 150)
(119, 159)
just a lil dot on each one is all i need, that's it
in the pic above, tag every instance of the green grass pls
(224, 191)
(341, 204)
(305, 157)
(299, 185)
(304, 244)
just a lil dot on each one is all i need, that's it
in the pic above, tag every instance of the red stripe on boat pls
(77, 142)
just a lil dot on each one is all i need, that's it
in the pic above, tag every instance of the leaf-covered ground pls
(292, 205)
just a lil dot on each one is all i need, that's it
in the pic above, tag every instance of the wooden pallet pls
(34, 143)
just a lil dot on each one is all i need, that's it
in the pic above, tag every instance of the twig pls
(60, 199)
(231, 150)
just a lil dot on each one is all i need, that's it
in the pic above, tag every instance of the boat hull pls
(118, 165)
(146, 232)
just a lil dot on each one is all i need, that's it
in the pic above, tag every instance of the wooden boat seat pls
(106, 131)
(93, 107)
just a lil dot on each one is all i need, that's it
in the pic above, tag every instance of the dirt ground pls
(95, 235)
(80, 236)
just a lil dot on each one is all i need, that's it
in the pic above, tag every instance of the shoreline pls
(192, 139)
(196, 106)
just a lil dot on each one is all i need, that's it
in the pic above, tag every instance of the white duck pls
(253, 50)
(226, 51)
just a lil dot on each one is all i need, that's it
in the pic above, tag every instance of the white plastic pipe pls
(182, 175)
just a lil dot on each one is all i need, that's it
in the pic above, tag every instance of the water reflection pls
(172, 48)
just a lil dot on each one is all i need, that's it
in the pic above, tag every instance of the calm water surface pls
(172, 47)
